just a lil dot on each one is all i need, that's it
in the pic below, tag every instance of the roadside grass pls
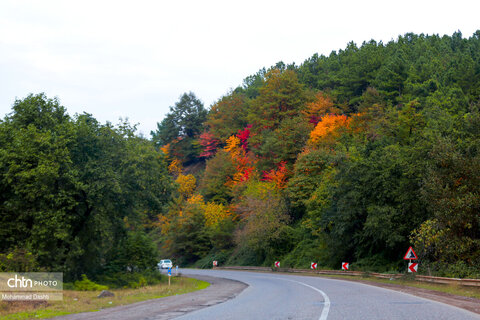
(87, 301)
(465, 291)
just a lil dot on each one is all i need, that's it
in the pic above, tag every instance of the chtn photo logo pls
(17, 282)
(28, 286)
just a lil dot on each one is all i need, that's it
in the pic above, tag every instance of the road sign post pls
(313, 266)
(411, 255)
(215, 263)
(169, 275)
(345, 266)
(277, 264)
(176, 271)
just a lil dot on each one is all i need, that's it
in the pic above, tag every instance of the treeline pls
(351, 157)
(348, 157)
(77, 196)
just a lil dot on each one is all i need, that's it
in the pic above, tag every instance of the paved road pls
(272, 296)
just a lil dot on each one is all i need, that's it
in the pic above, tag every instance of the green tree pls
(228, 115)
(72, 188)
(188, 237)
(281, 96)
(284, 143)
(451, 188)
(181, 126)
(37, 182)
(218, 171)
(265, 220)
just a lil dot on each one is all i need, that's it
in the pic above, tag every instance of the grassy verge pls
(83, 301)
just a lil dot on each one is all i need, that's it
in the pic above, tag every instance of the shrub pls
(18, 260)
(132, 280)
(87, 285)
(307, 251)
(207, 261)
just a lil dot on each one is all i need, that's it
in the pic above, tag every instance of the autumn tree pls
(322, 105)
(277, 176)
(209, 144)
(244, 165)
(328, 127)
(264, 219)
(186, 184)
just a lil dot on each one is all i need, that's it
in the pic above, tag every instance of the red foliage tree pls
(278, 175)
(209, 144)
(243, 135)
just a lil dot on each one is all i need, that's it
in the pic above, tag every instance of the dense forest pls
(353, 156)
(76, 196)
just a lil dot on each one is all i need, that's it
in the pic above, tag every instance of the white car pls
(165, 264)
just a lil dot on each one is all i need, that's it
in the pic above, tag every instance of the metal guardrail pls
(442, 280)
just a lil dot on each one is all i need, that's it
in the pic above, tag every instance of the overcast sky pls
(135, 58)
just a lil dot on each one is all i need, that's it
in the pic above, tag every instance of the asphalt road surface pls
(278, 296)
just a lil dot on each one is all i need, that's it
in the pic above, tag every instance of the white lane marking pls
(326, 304)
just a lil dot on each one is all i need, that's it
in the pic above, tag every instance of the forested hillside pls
(348, 157)
(352, 157)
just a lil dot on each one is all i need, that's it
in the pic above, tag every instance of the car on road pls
(165, 264)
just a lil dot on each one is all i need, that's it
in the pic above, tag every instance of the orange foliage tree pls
(244, 164)
(166, 149)
(322, 105)
(278, 176)
(175, 167)
(328, 127)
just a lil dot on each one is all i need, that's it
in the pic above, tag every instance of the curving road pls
(277, 296)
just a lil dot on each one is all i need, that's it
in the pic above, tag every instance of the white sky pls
(135, 58)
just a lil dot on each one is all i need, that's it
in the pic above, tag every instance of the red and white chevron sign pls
(277, 264)
(313, 265)
(345, 265)
(215, 263)
(412, 267)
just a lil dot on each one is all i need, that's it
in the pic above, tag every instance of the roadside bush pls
(135, 253)
(378, 263)
(87, 285)
(460, 269)
(307, 251)
(18, 260)
(207, 261)
(132, 280)
(245, 256)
